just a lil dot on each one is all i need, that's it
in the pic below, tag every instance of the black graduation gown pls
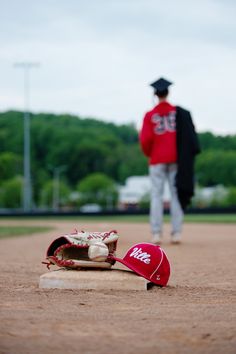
(187, 148)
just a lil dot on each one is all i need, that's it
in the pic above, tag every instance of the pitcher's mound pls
(109, 279)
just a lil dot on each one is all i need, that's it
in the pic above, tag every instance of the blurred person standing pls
(169, 140)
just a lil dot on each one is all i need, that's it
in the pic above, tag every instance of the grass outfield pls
(11, 231)
(211, 218)
(188, 218)
(201, 218)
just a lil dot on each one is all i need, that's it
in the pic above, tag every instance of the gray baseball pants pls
(158, 174)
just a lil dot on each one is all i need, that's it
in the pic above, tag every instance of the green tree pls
(133, 162)
(47, 194)
(11, 193)
(216, 167)
(87, 145)
(231, 198)
(98, 188)
(209, 141)
(10, 165)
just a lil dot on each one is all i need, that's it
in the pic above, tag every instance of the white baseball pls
(98, 251)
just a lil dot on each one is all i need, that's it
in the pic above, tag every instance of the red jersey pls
(158, 134)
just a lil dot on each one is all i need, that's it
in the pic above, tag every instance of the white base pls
(109, 279)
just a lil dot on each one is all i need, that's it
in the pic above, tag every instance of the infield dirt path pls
(195, 313)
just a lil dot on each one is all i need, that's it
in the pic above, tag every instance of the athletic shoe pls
(156, 239)
(176, 238)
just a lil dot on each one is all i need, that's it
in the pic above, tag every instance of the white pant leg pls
(157, 175)
(175, 207)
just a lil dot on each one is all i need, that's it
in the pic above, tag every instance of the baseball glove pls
(83, 249)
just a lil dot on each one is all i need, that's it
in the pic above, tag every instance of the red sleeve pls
(146, 136)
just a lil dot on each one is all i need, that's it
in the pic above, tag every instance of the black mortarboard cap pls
(161, 84)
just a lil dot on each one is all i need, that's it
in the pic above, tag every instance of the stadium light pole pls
(27, 192)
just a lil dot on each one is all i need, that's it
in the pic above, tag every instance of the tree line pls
(80, 147)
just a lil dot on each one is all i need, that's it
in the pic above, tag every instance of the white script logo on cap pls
(142, 256)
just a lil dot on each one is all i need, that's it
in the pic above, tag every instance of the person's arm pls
(146, 136)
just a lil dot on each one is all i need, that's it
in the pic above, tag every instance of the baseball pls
(98, 251)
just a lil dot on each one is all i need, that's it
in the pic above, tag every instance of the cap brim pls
(133, 269)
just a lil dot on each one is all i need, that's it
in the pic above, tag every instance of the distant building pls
(91, 208)
(136, 189)
(210, 195)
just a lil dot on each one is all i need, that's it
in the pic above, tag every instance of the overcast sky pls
(98, 57)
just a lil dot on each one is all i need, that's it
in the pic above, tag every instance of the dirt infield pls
(194, 314)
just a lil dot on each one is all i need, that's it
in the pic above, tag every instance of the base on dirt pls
(109, 279)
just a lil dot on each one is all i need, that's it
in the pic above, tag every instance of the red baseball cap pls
(149, 261)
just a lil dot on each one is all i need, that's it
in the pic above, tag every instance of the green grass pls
(188, 218)
(12, 231)
(15, 231)
(211, 218)
(201, 218)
